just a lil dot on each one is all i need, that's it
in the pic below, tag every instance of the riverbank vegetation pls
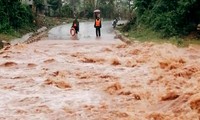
(20, 17)
(164, 20)
(148, 19)
(15, 19)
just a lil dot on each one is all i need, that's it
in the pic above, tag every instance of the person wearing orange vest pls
(97, 25)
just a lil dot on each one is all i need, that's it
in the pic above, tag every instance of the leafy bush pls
(67, 11)
(89, 8)
(14, 15)
(169, 17)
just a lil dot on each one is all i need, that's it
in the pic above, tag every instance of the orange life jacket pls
(98, 23)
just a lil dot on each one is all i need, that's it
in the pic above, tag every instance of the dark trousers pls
(76, 31)
(98, 32)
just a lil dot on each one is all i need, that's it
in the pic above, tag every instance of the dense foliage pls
(107, 8)
(39, 4)
(83, 8)
(14, 15)
(66, 11)
(169, 17)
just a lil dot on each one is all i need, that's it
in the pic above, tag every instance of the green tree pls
(89, 8)
(14, 15)
(75, 4)
(107, 8)
(4, 18)
(55, 5)
(67, 11)
(39, 4)
(168, 17)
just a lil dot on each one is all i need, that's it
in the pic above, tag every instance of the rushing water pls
(92, 79)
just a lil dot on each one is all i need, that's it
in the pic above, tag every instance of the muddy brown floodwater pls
(99, 80)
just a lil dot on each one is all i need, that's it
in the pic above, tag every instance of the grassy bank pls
(12, 34)
(49, 22)
(147, 35)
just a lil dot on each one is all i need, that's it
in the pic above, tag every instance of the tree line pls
(14, 15)
(168, 17)
(85, 8)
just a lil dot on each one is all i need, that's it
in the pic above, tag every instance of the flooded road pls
(86, 32)
(106, 79)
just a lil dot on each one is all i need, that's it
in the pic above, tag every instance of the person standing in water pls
(97, 25)
(75, 25)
